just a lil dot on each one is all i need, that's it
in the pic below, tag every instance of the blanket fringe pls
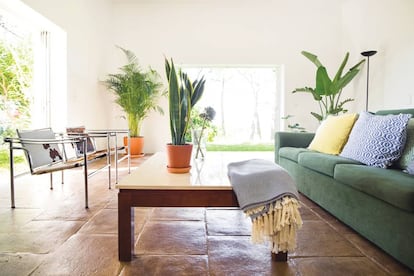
(277, 223)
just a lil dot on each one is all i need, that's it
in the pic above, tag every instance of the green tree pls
(16, 73)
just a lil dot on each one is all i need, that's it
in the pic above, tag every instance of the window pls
(247, 101)
(37, 45)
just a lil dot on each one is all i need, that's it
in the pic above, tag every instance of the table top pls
(207, 174)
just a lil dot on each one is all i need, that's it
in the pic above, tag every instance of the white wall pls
(231, 32)
(236, 32)
(388, 27)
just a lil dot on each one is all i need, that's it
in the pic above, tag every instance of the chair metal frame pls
(113, 133)
(62, 139)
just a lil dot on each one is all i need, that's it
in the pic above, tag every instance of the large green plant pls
(137, 91)
(183, 95)
(328, 92)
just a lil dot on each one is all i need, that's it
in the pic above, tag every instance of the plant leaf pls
(317, 116)
(198, 90)
(174, 101)
(323, 82)
(357, 65)
(341, 68)
(313, 58)
(347, 78)
(310, 90)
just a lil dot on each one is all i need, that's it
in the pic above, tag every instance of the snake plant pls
(328, 92)
(183, 95)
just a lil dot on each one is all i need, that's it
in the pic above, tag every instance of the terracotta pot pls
(179, 158)
(137, 145)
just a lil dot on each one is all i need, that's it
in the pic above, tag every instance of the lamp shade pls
(368, 53)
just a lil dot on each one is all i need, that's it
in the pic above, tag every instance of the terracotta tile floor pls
(50, 233)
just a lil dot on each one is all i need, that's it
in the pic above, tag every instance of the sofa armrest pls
(291, 139)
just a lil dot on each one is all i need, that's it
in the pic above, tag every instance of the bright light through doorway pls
(246, 100)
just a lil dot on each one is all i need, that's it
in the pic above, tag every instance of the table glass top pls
(210, 173)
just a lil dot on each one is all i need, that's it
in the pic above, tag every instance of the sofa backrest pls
(396, 111)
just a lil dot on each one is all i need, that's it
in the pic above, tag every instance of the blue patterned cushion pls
(377, 140)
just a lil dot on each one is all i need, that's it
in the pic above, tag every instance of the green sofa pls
(377, 203)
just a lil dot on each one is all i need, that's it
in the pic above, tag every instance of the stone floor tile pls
(325, 215)
(236, 255)
(340, 227)
(338, 266)
(19, 264)
(317, 239)
(69, 211)
(106, 221)
(377, 255)
(307, 213)
(178, 214)
(231, 222)
(39, 236)
(112, 204)
(172, 237)
(39, 184)
(161, 265)
(52, 232)
(13, 219)
(99, 256)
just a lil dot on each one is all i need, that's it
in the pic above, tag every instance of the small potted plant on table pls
(137, 92)
(201, 123)
(183, 94)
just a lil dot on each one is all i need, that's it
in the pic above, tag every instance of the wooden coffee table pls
(150, 185)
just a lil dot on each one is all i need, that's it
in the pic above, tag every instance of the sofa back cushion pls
(377, 140)
(410, 167)
(408, 153)
(333, 133)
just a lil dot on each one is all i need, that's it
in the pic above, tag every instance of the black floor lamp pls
(367, 54)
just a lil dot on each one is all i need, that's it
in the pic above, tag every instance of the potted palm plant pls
(183, 94)
(137, 92)
(328, 92)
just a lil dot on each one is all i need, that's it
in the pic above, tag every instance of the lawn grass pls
(241, 147)
(4, 159)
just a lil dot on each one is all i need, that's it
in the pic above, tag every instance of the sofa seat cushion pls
(321, 162)
(392, 186)
(291, 153)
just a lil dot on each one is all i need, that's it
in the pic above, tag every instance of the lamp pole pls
(367, 54)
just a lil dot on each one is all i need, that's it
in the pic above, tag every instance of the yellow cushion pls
(332, 134)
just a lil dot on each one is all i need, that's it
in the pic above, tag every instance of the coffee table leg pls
(125, 227)
(280, 257)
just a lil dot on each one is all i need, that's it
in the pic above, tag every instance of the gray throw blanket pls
(258, 182)
(268, 195)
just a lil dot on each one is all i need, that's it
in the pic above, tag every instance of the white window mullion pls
(46, 97)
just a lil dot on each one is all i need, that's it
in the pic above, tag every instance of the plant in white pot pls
(137, 93)
(183, 94)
